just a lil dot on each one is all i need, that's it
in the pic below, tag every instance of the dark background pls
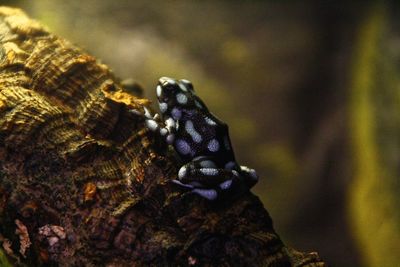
(310, 90)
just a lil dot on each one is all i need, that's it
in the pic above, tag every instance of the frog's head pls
(176, 97)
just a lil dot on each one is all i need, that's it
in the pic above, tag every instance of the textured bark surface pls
(84, 183)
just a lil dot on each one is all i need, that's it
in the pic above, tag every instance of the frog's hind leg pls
(208, 177)
(204, 178)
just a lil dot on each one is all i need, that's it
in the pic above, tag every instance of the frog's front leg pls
(168, 131)
(205, 179)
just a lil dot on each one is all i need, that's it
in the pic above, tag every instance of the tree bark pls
(84, 183)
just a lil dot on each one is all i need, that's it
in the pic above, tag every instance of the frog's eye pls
(186, 85)
(168, 84)
(167, 88)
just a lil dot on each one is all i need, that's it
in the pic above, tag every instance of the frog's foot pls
(167, 132)
(208, 193)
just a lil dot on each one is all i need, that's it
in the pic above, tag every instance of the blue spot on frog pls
(200, 139)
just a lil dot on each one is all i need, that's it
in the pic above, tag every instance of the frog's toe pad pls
(152, 125)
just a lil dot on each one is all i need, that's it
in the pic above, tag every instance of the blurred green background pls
(310, 90)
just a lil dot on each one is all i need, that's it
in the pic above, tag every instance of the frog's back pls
(203, 134)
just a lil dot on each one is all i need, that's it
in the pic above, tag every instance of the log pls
(83, 182)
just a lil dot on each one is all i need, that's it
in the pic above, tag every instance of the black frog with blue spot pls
(201, 141)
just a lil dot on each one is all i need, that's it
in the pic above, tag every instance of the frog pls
(201, 141)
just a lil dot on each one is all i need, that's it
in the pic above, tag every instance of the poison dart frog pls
(200, 139)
